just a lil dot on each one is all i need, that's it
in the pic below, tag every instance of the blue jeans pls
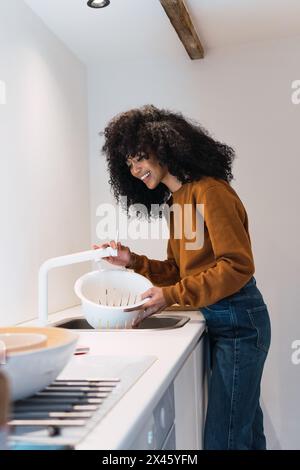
(239, 335)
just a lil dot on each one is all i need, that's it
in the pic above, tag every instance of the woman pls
(157, 156)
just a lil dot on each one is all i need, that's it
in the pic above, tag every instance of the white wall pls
(44, 195)
(243, 96)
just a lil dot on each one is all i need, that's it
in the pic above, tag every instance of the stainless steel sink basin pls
(159, 322)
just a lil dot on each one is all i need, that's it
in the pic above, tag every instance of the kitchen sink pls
(159, 322)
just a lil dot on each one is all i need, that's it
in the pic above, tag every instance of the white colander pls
(105, 294)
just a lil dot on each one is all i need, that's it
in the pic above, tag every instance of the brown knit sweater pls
(223, 263)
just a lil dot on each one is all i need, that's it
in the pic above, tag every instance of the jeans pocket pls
(218, 316)
(219, 307)
(260, 320)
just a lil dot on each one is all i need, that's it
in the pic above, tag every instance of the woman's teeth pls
(145, 175)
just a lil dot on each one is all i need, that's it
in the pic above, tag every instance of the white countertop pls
(120, 426)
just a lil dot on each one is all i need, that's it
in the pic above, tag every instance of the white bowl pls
(91, 287)
(32, 370)
(21, 341)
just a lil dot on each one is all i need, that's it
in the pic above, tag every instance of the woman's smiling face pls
(147, 170)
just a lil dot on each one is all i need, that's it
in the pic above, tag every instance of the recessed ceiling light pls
(98, 3)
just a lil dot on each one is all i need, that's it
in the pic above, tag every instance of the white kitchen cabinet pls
(158, 432)
(145, 439)
(190, 387)
(177, 420)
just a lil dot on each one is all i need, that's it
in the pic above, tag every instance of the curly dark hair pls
(180, 143)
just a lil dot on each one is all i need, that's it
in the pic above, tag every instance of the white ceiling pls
(135, 29)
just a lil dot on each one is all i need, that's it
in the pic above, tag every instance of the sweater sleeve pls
(226, 222)
(160, 273)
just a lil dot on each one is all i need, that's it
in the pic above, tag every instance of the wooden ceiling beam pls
(183, 25)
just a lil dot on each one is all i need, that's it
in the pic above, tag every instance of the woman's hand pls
(156, 304)
(124, 253)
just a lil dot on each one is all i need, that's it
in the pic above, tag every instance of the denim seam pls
(234, 381)
(246, 296)
(259, 344)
